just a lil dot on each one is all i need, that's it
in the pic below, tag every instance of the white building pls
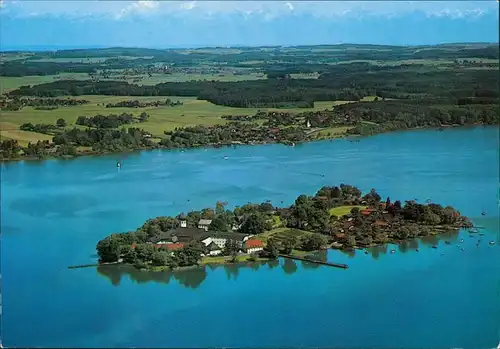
(183, 223)
(220, 239)
(214, 249)
(252, 246)
(204, 223)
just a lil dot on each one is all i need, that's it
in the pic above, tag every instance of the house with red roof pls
(173, 247)
(367, 211)
(252, 246)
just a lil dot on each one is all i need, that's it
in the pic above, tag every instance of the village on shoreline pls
(338, 217)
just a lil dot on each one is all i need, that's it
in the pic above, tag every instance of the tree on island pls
(231, 248)
(372, 197)
(253, 225)
(272, 248)
(218, 224)
(313, 242)
(289, 244)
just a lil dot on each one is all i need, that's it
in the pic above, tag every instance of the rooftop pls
(172, 247)
(253, 244)
(205, 222)
(234, 236)
(213, 247)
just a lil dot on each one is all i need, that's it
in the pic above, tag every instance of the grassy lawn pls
(331, 131)
(11, 131)
(281, 234)
(299, 253)
(343, 210)
(193, 112)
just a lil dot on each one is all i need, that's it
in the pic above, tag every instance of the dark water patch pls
(377, 251)
(404, 246)
(273, 263)
(289, 266)
(351, 253)
(9, 229)
(430, 240)
(64, 205)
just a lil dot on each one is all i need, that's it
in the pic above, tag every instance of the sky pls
(170, 24)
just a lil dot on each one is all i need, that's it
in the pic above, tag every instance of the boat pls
(483, 213)
(226, 157)
(492, 242)
(118, 164)
(434, 246)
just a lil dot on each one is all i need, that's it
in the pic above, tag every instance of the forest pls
(447, 86)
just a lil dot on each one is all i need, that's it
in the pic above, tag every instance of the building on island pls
(252, 246)
(186, 235)
(220, 239)
(183, 223)
(204, 223)
(214, 249)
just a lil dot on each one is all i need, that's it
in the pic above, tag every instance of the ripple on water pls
(64, 205)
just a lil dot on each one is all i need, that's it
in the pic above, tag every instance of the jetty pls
(90, 265)
(330, 264)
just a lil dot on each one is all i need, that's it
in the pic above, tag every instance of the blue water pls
(54, 212)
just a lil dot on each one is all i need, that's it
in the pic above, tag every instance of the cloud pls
(141, 6)
(265, 9)
(188, 5)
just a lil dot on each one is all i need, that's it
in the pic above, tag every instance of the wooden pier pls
(90, 265)
(330, 264)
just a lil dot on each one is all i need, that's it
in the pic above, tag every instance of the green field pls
(182, 77)
(281, 234)
(9, 83)
(343, 210)
(331, 132)
(193, 112)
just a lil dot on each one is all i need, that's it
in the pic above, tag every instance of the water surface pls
(54, 212)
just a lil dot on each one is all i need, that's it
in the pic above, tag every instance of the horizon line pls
(50, 48)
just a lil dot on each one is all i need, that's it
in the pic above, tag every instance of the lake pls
(54, 212)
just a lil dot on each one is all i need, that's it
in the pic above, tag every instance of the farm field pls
(9, 83)
(192, 112)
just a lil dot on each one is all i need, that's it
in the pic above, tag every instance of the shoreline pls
(234, 144)
(303, 256)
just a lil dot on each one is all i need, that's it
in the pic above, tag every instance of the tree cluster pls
(110, 121)
(138, 104)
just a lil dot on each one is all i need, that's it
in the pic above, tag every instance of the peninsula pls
(335, 217)
(62, 104)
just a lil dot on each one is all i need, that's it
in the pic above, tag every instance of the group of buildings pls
(214, 241)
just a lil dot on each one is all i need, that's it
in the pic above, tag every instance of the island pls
(339, 217)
